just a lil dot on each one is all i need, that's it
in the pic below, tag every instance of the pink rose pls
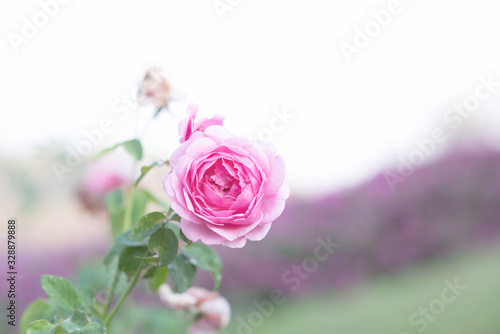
(188, 126)
(226, 189)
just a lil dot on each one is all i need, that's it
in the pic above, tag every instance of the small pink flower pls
(99, 179)
(188, 126)
(155, 89)
(226, 189)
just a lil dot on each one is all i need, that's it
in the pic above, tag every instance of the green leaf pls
(105, 151)
(117, 218)
(164, 243)
(183, 272)
(114, 251)
(184, 238)
(85, 298)
(59, 330)
(146, 169)
(114, 200)
(159, 278)
(139, 207)
(42, 309)
(129, 261)
(149, 259)
(176, 218)
(57, 319)
(147, 225)
(178, 233)
(176, 229)
(150, 273)
(120, 243)
(117, 214)
(39, 327)
(124, 239)
(134, 147)
(39, 309)
(60, 291)
(79, 322)
(97, 320)
(204, 257)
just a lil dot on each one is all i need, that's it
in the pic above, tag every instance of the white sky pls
(352, 119)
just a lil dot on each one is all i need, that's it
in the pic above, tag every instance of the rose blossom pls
(188, 126)
(226, 189)
(155, 89)
(212, 312)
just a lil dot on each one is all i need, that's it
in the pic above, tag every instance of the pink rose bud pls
(212, 311)
(216, 312)
(188, 126)
(155, 89)
(201, 294)
(177, 301)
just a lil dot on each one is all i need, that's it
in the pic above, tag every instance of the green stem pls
(127, 223)
(182, 322)
(120, 301)
(111, 293)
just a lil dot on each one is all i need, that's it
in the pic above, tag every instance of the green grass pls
(384, 306)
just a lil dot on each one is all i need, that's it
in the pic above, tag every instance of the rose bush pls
(226, 189)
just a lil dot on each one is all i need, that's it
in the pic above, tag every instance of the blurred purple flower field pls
(443, 207)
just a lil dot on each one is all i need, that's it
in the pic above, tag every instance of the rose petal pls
(195, 232)
(273, 206)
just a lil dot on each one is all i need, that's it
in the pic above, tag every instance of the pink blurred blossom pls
(99, 179)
